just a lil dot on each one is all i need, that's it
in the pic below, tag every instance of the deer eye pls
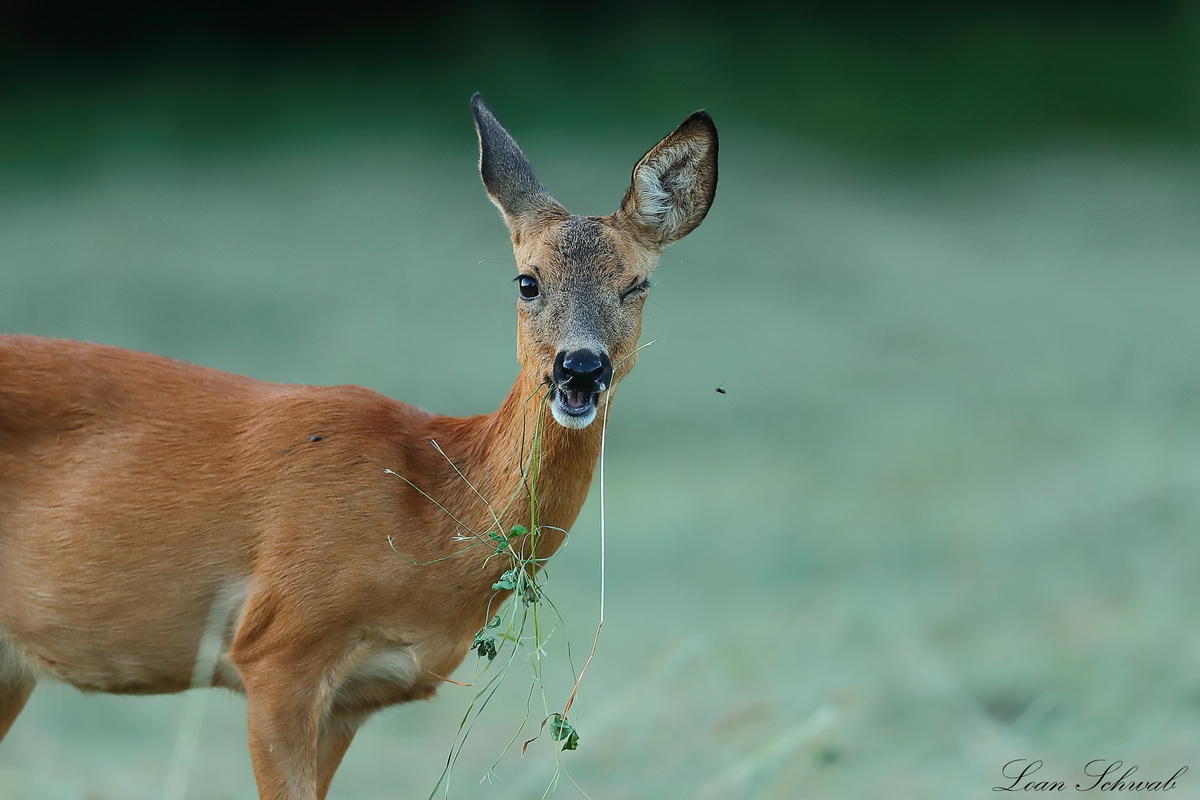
(636, 289)
(527, 285)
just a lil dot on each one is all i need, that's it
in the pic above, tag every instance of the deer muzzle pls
(579, 378)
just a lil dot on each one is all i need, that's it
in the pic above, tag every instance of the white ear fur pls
(673, 185)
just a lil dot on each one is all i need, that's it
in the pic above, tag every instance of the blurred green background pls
(945, 515)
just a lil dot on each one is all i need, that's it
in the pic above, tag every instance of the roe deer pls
(165, 526)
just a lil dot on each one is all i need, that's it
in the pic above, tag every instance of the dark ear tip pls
(479, 107)
(702, 120)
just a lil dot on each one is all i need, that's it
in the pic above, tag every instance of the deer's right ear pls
(674, 184)
(507, 176)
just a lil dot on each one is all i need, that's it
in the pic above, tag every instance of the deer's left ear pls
(674, 184)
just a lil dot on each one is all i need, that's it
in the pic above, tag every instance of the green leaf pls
(530, 593)
(485, 646)
(563, 731)
(517, 530)
(507, 582)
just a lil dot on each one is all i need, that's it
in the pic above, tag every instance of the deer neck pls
(531, 470)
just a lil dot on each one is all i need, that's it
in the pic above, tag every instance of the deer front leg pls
(337, 732)
(12, 700)
(284, 720)
(283, 668)
(297, 740)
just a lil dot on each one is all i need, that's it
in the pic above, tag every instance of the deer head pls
(582, 281)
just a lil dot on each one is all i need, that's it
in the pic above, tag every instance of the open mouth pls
(573, 408)
(577, 404)
(580, 376)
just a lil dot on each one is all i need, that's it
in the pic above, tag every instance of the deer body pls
(166, 526)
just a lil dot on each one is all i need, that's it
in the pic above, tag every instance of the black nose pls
(583, 371)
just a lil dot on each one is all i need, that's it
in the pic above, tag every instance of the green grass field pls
(944, 515)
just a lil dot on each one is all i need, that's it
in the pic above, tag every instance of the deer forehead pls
(591, 252)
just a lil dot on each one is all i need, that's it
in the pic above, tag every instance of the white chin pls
(570, 420)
